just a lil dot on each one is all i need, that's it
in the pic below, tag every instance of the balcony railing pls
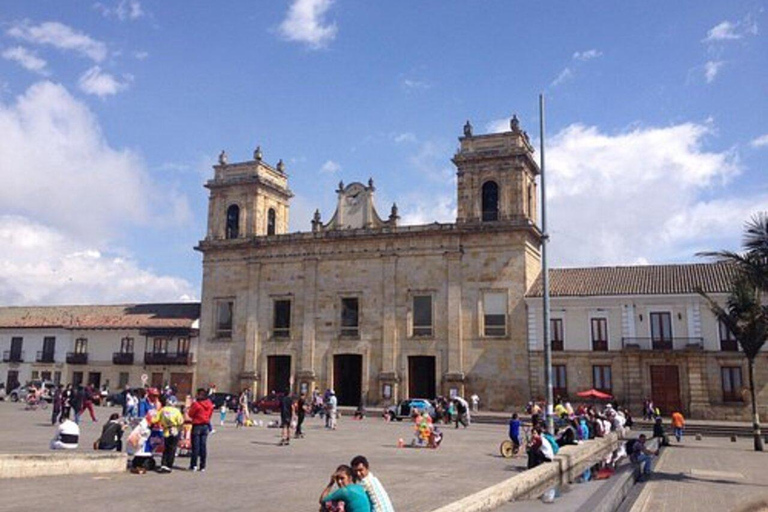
(662, 344)
(44, 356)
(122, 358)
(13, 356)
(77, 357)
(167, 358)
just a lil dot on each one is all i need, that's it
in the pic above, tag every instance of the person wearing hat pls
(171, 420)
(331, 410)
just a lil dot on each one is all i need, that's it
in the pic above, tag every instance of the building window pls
(732, 383)
(46, 375)
(490, 201)
(49, 347)
(281, 323)
(271, 221)
(661, 331)
(224, 319)
(559, 381)
(422, 315)
(35, 375)
(160, 345)
(233, 221)
(16, 354)
(126, 345)
(599, 333)
(495, 314)
(556, 333)
(57, 377)
(350, 316)
(601, 378)
(81, 346)
(728, 341)
(182, 345)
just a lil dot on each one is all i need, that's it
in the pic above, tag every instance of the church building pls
(360, 304)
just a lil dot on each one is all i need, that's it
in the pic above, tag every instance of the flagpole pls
(545, 279)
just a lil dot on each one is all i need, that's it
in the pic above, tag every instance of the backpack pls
(630, 446)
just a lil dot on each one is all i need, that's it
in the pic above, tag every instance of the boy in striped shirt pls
(380, 501)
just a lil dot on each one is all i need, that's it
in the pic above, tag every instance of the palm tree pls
(747, 319)
(745, 315)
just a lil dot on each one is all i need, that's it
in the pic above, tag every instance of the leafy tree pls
(745, 314)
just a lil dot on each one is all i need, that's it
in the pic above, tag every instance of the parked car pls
(269, 403)
(404, 409)
(21, 392)
(220, 398)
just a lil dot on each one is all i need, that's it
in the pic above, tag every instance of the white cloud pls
(123, 10)
(615, 199)
(59, 36)
(141, 55)
(100, 83)
(42, 265)
(587, 55)
(330, 167)
(305, 23)
(409, 83)
(439, 207)
(565, 75)
(731, 31)
(711, 69)
(58, 168)
(27, 59)
(404, 137)
(760, 142)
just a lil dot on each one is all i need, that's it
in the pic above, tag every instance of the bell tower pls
(496, 177)
(248, 199)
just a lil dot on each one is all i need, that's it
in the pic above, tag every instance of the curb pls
(531, 480)
(56, 464)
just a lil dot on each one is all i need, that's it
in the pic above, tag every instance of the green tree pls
(745, 314)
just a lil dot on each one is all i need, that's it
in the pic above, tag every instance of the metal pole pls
(545, 279)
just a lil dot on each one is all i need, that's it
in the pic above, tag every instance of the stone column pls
(306, 364)
(698, 405)
(250, 376)
(454, 377)
(389, 349)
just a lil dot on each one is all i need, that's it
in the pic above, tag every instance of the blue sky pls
(112, 112)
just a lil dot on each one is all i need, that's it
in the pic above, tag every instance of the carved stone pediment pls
(355, 210)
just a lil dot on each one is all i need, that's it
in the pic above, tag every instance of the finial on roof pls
(393, 216)
(467, 129)
(223, 157)
(341, 186)
(370, 185)
(316, 222)
(514, 124)
(280, 165)
(257, 154)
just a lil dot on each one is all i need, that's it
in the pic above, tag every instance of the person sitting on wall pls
(111, 434)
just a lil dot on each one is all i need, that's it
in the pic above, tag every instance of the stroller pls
(143, 444)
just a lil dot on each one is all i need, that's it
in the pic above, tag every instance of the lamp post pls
(545, 278)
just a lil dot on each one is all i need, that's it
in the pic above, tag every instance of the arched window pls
(271, 222)
(490, 201)
(233, 221)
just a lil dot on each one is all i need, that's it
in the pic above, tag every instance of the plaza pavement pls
(713, 474)
(248, 471)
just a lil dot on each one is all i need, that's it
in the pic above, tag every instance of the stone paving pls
(713, 474)
(248, 471)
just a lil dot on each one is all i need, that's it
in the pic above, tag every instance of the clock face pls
(353, 207)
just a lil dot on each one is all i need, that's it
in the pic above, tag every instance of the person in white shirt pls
(380, 501)
(67, 436)
(475, 402)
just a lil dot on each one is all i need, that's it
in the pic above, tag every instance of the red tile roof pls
(637, 280)
(124, 316)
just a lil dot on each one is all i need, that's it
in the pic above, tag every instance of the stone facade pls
(360, 269)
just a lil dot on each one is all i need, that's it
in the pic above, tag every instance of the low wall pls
(569, 462)
(54, 464)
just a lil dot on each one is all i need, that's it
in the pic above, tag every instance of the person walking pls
(378, 496)
(301, 411)
(66, 402)
(475, 399)
(678, 425)
(171, 420)
(77, 401)
(88, 403)
(58, 399)
(462, 412)
(332, 410)
(286, 416)
(200, 415)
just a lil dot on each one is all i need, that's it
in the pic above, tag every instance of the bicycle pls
(34, 403)
(507, 447)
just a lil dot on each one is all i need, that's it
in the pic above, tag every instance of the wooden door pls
(279, 374)
(348, 378)
(421, 377)
(157, 380)
(665, 388)
(183, 384)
